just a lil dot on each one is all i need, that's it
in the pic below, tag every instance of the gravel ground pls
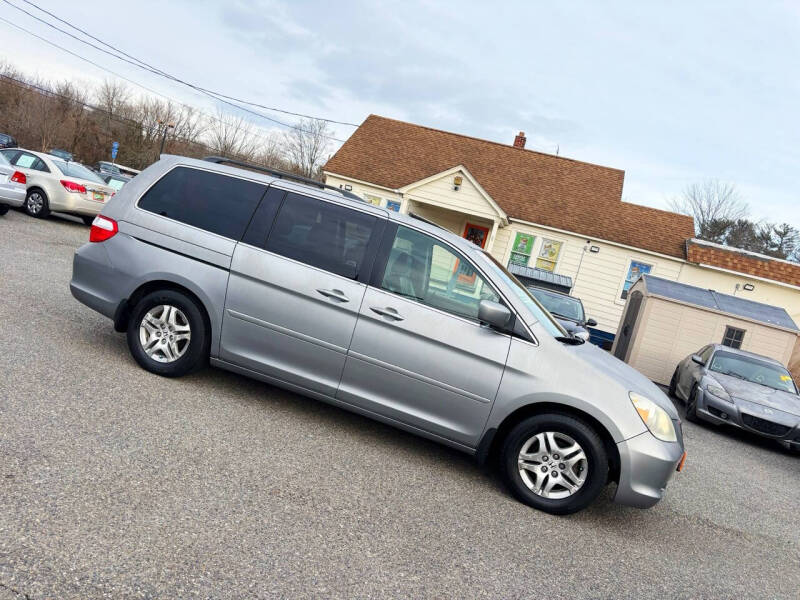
(115, 483)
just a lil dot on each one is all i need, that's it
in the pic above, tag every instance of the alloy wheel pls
(164, 333)
(35, 203)
(553, 465)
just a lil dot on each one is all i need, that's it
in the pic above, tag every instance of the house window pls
(635, 270)
(522, 249)
(392, 205)
(476, 234)
(374, 200)
(548, 255)
(733, 337)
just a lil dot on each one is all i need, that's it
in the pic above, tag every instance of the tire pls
(673, 385)
(3, 209)
(37, 204)
(87, 220)
(530, 435)
(176, 355)
(691, 407)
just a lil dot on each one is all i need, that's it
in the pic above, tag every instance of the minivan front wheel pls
(167, 334)
(554, 462)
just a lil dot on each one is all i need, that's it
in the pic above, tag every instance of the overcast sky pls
(671, 93)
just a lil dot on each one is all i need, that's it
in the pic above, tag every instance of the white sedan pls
(12, 186)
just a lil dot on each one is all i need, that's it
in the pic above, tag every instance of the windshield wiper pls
(732, 374)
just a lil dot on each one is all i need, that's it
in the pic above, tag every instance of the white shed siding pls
(670, 331)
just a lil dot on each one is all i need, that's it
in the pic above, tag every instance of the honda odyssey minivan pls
(387, 315)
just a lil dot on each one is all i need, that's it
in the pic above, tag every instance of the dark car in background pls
(62, 154)
(6, 141)
(567, 309)
(104, 167)
(728, 386)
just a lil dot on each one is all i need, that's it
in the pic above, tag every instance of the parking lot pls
(117, 483)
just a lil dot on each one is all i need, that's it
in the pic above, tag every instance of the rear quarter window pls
(216, 203)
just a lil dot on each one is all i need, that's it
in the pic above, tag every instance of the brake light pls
(102, 229)
(19, 177)
(71, 186)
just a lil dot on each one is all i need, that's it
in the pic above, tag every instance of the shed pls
(664, 321)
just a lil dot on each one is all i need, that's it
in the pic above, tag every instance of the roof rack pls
(424, 220)
(219, 160)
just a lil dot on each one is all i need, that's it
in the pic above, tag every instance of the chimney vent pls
(519, 141)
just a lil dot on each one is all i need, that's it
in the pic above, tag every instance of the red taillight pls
(102, 229)
(73, 187)
(19, 177)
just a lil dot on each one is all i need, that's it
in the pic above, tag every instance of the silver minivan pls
(383, 314)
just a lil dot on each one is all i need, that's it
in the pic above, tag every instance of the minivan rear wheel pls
(555, 463)
(167, 334)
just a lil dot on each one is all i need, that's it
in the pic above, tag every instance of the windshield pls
(559, 304)
(540, 313)
(74, 169)
(753, 370)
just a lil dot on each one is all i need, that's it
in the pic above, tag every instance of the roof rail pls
(219, 160)
(424, 220)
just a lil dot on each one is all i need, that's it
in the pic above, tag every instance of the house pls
(665, 321)
(542, 214)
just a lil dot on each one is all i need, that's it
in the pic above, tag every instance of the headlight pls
(655, 418)
(719, 392)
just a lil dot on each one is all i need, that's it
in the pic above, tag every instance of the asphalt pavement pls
(115, 483)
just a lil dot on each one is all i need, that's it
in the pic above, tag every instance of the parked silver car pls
(383, 314)
(12, 186)
(53, 184)
(728, 386)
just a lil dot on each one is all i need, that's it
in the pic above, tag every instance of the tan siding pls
(440, 192)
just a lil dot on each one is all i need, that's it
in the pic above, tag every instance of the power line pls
(142, 65)
(102, 68)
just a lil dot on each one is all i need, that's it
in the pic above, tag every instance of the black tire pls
(3, 209)
(36, 204)
(691, 407)
(87, 220)
(194, 354)
(580, 432)
(673, 385)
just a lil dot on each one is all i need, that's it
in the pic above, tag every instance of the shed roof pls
(733, 305)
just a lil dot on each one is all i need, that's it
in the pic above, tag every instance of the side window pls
(26, 161)
(423, 269)
(733, 337)
(11, 155)
(217, 203)
(39, 165)
(322, 234)
(260, 224)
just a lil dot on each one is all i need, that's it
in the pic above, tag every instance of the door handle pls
(387, 312)
(334, 295)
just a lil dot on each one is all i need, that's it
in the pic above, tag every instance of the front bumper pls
(646, 466)
(749, 416)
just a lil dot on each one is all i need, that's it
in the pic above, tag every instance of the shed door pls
(626, 331)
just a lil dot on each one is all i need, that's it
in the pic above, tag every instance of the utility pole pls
(167, 128)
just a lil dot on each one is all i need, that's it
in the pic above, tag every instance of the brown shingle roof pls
(531, 186)
(742, 262)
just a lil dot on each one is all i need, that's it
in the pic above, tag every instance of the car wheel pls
(87, 220)
(691, 406)
(36, 204)
(167, 334)
(555, 463)
(3, 209)
(673, 385)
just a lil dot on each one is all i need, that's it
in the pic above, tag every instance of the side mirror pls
(696, 359)
(494, 313)
(591, 323)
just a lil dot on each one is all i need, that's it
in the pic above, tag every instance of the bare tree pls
(232, 136)
(711, 203)
(307, 146)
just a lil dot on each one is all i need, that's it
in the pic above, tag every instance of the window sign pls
(548, 255)
(374, 200)
(392, 205)
(476, 234)
(636, 270)
(521, 250)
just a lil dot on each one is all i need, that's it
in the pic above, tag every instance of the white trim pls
(375, 185)
(599, 240)
(746, 275)
(459, 168)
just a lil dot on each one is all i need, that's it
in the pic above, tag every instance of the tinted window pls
(260, 224)
(322, 234)
(559, 304)
(216, 203)
(11, 155)
(422, 268)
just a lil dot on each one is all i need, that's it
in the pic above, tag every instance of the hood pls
(757, 393)
(623, 373)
